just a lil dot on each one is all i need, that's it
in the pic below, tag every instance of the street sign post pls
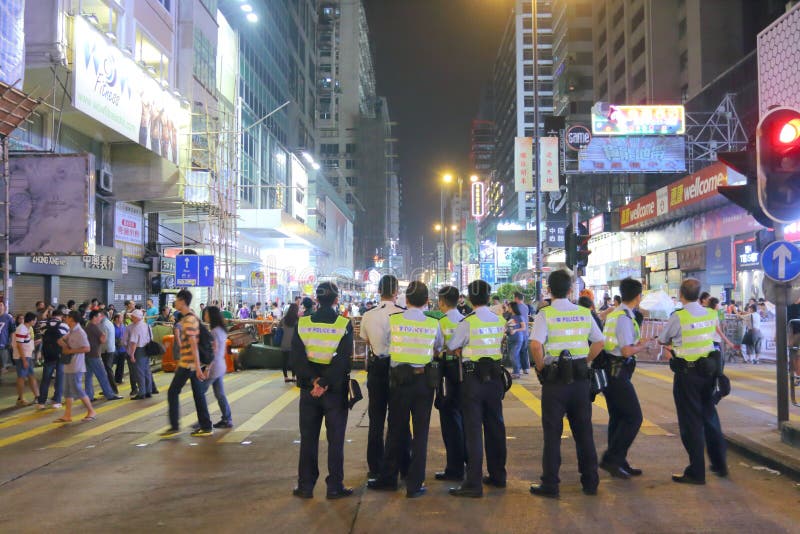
(194, 271)
(780, 261)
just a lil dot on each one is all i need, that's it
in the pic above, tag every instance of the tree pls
(519, 261)
(506, 292)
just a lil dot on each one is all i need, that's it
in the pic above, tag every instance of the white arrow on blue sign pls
(781, 261)
(194, 271)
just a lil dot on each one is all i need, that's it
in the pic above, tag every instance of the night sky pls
(432, 58)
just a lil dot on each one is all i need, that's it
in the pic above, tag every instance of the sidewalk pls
(767, 448)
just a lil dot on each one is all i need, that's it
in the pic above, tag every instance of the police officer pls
(375, 331)
(690, 332)
(560, 345)
(478, 338)
(622, 343)
(321, 351)
(414, 338)
(448, 401)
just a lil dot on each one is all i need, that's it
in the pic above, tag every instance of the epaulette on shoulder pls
(470, 314)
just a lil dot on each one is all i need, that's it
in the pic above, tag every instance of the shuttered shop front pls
(81, 289)
(26, 289)
(130, 286)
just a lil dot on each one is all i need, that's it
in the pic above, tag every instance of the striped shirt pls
(190, 328)
(23, 336)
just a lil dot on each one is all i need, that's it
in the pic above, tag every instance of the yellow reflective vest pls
(410, 341)
(697, 334)
(321, 339)
(610, 330)
(485, 339)
(568, 330)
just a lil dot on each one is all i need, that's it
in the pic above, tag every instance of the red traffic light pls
(789, 132)
(778, 164)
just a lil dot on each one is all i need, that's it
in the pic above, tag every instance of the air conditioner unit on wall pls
(105, 182)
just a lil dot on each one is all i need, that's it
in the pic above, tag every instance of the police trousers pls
(574, 401)
(332, 407)
(452, 422)
(624, 417)
(378, 403)
(698, 422)
(482, 410)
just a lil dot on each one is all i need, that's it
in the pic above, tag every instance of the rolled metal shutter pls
(132, 284)
(80, 289)
(26, 289)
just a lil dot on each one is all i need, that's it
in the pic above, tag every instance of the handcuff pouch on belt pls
(564, 370)
(708, 366)
(433, 373)
(487, 369)
(400, 375)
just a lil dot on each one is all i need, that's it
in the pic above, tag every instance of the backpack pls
(204, 346)
(50, 347)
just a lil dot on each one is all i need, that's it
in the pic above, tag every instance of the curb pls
(771, 458)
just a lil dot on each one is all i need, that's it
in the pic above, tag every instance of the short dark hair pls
(479, 292)
(387, 286)
(559, 283)
(70, 303)
(30, 316)
(617, 299)
(629, 289)
(495, 297)
(449, 295)
(93, 314)
(417, 294)
(58, 312)
(704, 295)
(327, 293)
(514, 308)
(519, 295)
(185, 295)
(214, 315)
(690, 289)
(712, 303)
(586, 302)
(75, 316)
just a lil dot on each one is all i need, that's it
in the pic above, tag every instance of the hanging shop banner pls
(129, 229)
(478, 208)
(718, 262)
(257, 279)
(113, 89)
(548, 163)
(611, 119)
(635, 154)
(523, 164)
(52, 202)
(692, 259)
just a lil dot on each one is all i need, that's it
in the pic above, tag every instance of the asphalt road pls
(116, 475)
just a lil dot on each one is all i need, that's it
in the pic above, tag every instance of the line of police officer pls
(414, 357)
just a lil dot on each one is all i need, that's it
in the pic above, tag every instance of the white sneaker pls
(56, 405)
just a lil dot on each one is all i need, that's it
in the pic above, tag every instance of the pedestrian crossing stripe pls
(154, 437)
(648, 428)
(534, 404)
(261, 418)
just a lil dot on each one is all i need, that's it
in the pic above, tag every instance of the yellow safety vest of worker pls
(485, 339)
(610, 330)
(697, 335)
(448, 327)
(568, 330)
(321, 339)
(410, 341)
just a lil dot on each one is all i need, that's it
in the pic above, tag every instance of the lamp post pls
(442, 229)
(535, 28)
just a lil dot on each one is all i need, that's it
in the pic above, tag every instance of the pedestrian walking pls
(121, 341)
(477, 341)
(414, 339)
(109, 350)
(565, 339)
(515, 335)
(51, 353)
(289, 325)
(321, 351)
(96, 334)
(138, 335)
(216, 371)
(23, 359)
(74, 346)
(690, 334)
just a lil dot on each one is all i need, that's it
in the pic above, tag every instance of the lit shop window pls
(104, 14)
(150, 56)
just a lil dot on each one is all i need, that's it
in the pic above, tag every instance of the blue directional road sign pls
(781, 261)
(194, 271)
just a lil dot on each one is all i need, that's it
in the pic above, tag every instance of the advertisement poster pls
(52, 203)
(129, 229)
(633, 154)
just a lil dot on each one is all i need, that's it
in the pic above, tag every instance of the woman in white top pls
(753, 337)
(216, 370)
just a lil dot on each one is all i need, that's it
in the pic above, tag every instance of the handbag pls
(153, 348)
(277, 336)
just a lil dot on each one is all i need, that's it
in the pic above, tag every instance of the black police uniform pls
(448, 402)
(332, 406)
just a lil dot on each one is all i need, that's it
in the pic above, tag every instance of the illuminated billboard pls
(478, 208)
(610, 119)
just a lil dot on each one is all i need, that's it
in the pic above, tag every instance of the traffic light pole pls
(782, 346)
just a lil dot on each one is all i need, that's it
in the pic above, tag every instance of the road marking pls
(648, 428)
(155, 436)
(111, 425)
(747, 376)
(261, 418)
(360, 377)
(531, 401)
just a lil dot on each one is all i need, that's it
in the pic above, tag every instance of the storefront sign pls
(692, 258)
(110, 87)
(672, 259)
(523, 164)
(105, 265)
(555, 233)
(48, 260)
(129, 229)
(599, 224)
(633, 155)
(641, 209)
(578, 137)
(611, 119)
(747, 257)
(257, 279)
(99, 262)
(548, 163)
(718, 262)
(656, 262)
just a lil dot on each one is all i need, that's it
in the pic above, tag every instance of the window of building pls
(527, 54)
(683, 61)
(348, 198)
(603, 63)
(684, 93)
(580, 34)
(602, 92)
(329, 149)
(331, 163)
(527, 70)
(619, 43)
(601, 41)
(637, 50)
(638, 79)
(334, 180)
(103, 13)
(153, 59)
(350, 148)
(527, 23)
(682, 28)
(166, 4)
(637, 18)
(619, 70)
(352, 181)
(620, 98)
(601, 13)
(351, 164)
(618, 15)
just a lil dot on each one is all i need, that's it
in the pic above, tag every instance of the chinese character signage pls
(128, 229)
(548, 163)
(478, 208)
(633, 154)
(555, 233)
(523, 164)
(610, 119)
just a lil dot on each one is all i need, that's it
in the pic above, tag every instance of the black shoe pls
(489, 481)
(719, 471)
(115, 397)
(372, 476)
(147, 396)
(418, 493)
(223, 424)
(138, 397)
(544, 491)
(615, 470)
(632, 471)
(444, 475)
(379, 485)
(134, 393)
(461, 491)
(590, 491)
(339, 494)
(155, 391)
(303, 494)
(686, 479)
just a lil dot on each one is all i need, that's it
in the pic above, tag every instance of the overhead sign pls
(523, 164)
(129, 229)
(488, 272)
(633, 154)
(516, 238)
(194, 271)
(257, 279)
(611, 119)
(746, 255)
(578, 137)
(554, 238)
(548, 163)
(478, 208)
(599, 223)
(780, 261)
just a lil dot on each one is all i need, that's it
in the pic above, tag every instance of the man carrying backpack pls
(196, 353)
(51, 351)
